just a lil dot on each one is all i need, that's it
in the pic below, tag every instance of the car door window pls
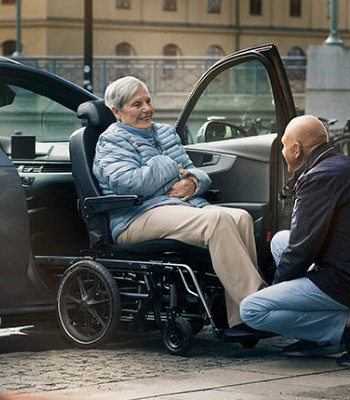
(237, 103)
(27, 113)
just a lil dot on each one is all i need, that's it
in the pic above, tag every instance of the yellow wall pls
(52, 27)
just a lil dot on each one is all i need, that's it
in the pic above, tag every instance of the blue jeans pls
(296, 308)
(278, 244)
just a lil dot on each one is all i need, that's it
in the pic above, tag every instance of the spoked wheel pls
(88, 304)
(177, 336)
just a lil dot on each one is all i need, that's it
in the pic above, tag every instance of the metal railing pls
(162, 74)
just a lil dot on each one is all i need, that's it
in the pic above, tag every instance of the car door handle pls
(213, 160)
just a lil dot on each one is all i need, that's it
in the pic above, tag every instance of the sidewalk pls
(292, 378)
(136, 367)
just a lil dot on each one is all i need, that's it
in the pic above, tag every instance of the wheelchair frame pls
(98, 293)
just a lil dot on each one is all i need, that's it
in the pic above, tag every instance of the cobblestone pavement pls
(38, 359)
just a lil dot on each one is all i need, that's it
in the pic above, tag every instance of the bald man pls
(310, 295)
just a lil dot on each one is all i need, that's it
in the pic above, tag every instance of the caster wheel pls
(88, 304)
(177, 336)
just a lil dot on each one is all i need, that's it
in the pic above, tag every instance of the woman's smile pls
(138, 111)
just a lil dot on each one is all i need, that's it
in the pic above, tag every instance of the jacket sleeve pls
(313, 210)
(119, 167)
(202, 178)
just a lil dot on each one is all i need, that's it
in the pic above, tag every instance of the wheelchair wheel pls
(88, 304)
(177, 336)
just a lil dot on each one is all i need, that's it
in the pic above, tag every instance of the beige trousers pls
(226, 232)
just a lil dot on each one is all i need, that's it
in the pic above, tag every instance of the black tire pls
(88, 304)
(177, 336)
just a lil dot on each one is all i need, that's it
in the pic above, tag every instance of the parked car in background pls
(247, 92)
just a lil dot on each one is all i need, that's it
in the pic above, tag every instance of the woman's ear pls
(116, 112)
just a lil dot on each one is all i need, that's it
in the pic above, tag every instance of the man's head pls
(301, 136)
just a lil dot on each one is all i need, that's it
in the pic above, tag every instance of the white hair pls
(122, 90)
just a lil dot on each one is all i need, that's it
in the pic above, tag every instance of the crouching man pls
(311, 304)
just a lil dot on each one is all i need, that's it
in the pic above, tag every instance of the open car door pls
(232, 125)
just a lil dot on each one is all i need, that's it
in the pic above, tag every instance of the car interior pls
(229, 127)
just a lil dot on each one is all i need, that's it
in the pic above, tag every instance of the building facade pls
(168, 27)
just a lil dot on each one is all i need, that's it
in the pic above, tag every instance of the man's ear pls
(298, 150)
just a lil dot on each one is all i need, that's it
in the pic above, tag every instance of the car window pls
(23, 112)
(237, 103)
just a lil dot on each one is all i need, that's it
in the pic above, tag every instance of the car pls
(231, 126)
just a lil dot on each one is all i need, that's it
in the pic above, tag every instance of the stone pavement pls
(316, 378)
(135, 367)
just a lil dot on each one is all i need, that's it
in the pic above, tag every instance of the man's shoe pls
(344, 360)
(239, 330)
(304, 348)
(245, 331)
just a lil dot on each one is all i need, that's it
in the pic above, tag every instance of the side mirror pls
(216, 130)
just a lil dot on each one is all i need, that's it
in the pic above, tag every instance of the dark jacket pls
(320, 226)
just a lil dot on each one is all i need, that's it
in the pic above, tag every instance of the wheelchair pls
(158, 284)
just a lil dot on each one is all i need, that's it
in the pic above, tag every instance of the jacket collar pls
(321, 152)
(136, 131)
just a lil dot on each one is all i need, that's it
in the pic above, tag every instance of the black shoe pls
(344, 360)
(240, 330)
(346, 339)
(304, 348)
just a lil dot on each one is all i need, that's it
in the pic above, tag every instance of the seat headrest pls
(98, 115)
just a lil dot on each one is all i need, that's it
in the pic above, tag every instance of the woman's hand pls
(184, 189)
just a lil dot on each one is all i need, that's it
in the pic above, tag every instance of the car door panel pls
(241, 169)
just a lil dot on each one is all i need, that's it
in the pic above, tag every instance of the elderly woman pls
(137, 156)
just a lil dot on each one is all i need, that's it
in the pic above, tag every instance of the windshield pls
(26, 113)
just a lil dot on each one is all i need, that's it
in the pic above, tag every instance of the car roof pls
(9, 60)
(43, 82)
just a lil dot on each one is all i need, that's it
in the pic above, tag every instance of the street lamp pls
(88, 59)
(333, 37)
(18, 51)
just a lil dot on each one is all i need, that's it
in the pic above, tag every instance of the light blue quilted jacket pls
(143, 162)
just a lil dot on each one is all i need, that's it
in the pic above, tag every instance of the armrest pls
(102, 204)
(212, 195)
